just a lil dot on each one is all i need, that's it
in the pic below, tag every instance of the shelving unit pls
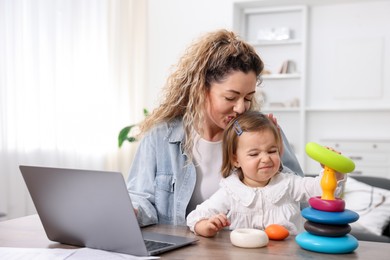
(251, 23)
(339, 93)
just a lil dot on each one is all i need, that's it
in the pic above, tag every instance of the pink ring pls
(337, 205)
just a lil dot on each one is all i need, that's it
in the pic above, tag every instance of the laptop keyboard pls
(154, 245)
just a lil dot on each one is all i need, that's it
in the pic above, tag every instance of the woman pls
(178, 161)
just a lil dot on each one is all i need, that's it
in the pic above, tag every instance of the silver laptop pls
(92, 209)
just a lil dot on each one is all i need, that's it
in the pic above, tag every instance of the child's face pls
(258, 157)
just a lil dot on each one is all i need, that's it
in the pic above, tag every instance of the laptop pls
(92, 209)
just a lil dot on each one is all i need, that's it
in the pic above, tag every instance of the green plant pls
(124, 133)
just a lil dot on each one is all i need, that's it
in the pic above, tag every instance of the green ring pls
(331, 159)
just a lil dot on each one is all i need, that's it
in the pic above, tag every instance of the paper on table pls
(88, 253)
(12, 253)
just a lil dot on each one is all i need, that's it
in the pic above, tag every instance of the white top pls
(247, 207)
(208, 162)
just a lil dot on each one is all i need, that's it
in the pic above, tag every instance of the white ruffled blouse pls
(247, 207)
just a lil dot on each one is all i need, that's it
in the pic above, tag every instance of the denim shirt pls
(161, 181)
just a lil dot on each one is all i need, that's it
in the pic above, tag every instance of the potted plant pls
(124, 133)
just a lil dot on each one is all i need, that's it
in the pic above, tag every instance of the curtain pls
(71, 76)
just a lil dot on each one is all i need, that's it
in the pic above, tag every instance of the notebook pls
(92, 209)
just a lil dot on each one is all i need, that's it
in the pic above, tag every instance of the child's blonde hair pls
(250, 121)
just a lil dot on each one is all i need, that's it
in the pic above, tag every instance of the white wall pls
(173, 25)
(349, 55)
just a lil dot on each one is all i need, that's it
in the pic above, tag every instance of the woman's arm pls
(141, 180)
(289, 159)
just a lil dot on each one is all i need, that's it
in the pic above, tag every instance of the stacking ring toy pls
(334, 245)
(329, 158)
(332, 218)
(336, 205)
(249, 238)
(327, 226)
(332, 162)
(276, 232)
(326, 229)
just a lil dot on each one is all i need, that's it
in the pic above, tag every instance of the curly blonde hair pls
(210, 59)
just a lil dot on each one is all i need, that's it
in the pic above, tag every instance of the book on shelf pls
(288, 66)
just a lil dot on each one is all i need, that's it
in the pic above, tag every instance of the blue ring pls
(334, 218)
(329, 245)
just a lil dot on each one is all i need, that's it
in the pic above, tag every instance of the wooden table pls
(27, 232)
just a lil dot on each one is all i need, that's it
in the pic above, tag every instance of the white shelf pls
(360, 140)
(281, 76)
(348, 109)
(280, 109)
(276, 43)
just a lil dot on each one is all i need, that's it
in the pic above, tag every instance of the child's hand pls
(210, 227)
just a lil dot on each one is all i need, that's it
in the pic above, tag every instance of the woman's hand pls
(275, 121)
(339, 175)
(210, 227)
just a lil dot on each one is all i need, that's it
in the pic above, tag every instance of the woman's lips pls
(230, 118)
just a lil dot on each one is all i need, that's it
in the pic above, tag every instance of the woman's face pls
(229, 98)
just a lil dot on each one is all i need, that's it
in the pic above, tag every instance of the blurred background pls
(75, 72)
